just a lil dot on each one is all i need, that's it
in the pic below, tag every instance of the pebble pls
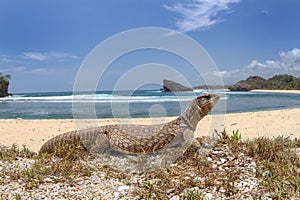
(207, 196)
(223, 160)
(209, 159)
(176, 197)
(122, 188)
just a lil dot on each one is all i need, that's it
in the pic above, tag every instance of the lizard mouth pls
(214, 99)
(208, 99)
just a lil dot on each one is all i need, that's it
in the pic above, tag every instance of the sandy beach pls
(33, 133)
(279, 91)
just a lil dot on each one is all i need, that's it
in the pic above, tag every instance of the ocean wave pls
(98, 98)
(235, 92)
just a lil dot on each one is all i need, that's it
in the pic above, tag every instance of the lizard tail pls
(59, 141)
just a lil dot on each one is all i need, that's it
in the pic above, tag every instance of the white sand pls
(279, 91)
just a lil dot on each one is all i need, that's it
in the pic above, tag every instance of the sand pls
(279, 91)
(33, 133)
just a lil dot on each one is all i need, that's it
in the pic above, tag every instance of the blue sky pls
(43, 43)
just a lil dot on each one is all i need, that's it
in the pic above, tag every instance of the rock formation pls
(172, 86)
(4, 85)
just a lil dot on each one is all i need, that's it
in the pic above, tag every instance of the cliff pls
(172, 86)
(4, 82)
(277, 82)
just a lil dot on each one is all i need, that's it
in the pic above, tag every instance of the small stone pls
(49, 180)
(122, 188)
(207, 196)
(265, 196)
(214, 166)
(116, 195)
(223, 160)
(266, 173)
(176, 197)
(222, 190)
(206, 145)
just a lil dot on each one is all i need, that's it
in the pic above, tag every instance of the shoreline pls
(274, 123)
(278, 91)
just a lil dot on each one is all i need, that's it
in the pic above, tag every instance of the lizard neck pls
(192, 115)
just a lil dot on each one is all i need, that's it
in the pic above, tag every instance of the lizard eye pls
(204, 98)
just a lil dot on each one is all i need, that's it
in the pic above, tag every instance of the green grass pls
(277, 165)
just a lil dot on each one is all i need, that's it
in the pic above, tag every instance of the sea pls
(134, 104)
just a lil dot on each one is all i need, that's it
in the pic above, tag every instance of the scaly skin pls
(136, 139)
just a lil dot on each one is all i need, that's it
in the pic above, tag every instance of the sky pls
(44, 43)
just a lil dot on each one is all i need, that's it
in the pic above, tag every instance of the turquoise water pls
(142, 103)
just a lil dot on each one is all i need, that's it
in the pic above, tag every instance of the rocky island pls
(172, 86)
(4, 82)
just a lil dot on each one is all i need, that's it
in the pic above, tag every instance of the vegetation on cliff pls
(277, 82)
(4, 82)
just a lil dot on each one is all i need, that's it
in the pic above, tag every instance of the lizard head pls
(199, 108)
(206, 102)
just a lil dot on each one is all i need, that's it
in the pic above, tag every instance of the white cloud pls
(26, 70)
(199, 14)
(17, 69)
(291, 59)
(288, 63)
(13, 69)
(48, 56)
(5, 59)
(39, 71)
(265, 12)
(26, 57)
(35, 56)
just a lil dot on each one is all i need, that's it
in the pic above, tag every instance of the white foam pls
(98, 98)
